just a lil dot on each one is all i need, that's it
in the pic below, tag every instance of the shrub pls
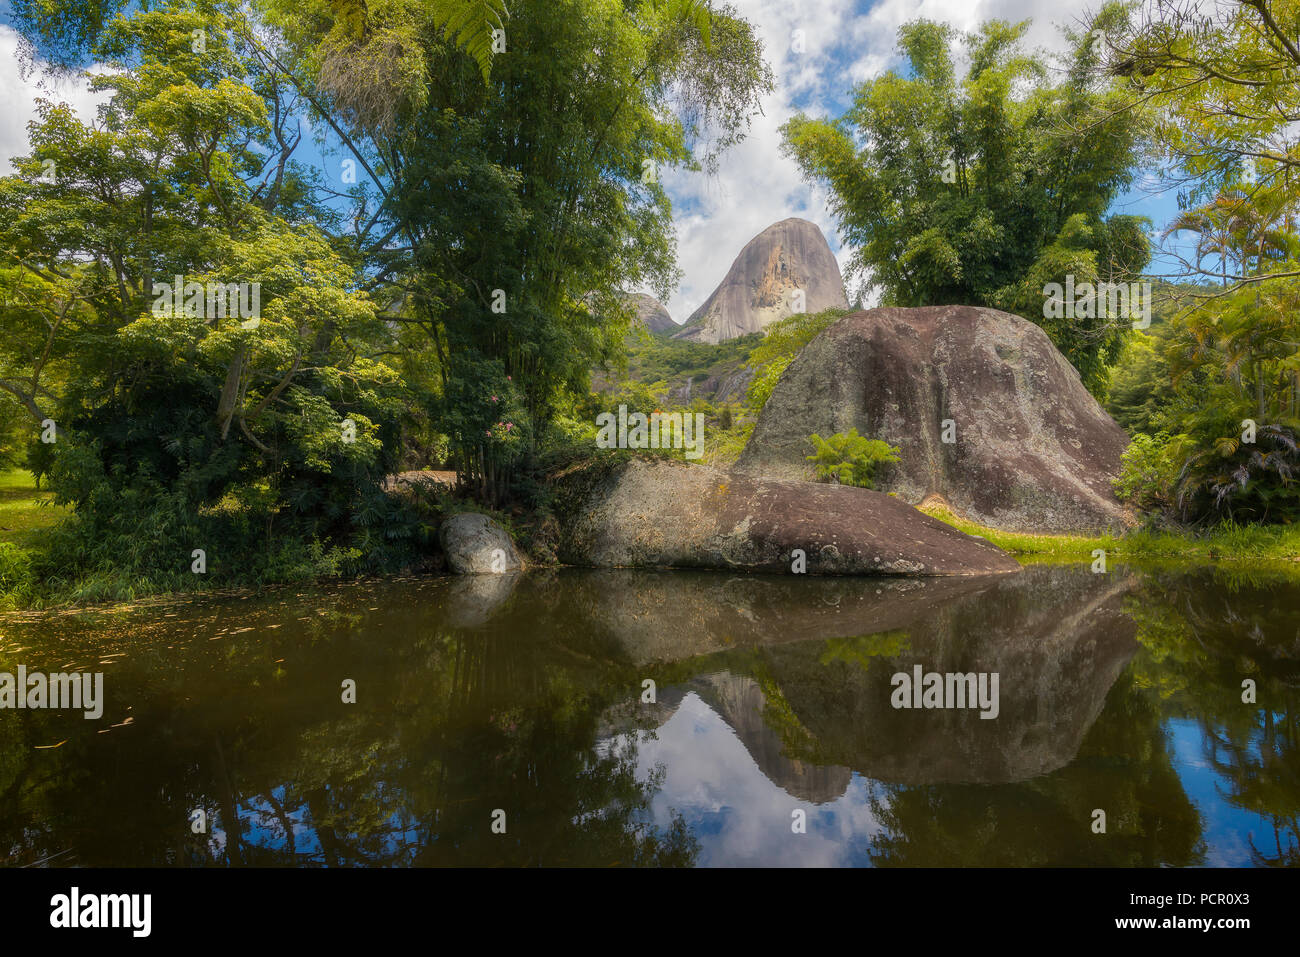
(849, 458)
(1148, 472)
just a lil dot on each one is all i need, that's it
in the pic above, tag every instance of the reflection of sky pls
(1227, 830)
(740, 817)
(262, 828)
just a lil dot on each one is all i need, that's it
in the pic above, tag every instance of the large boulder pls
(665, 513)
(1033, 450)
(788, 257)
(476, 545)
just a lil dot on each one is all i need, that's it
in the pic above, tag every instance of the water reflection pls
(525, 694)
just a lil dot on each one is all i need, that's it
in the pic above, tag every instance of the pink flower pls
(509, 426)
(507, 378)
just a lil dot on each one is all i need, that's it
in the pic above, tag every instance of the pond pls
(581, 717)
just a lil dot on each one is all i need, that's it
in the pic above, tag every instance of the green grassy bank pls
(1223, 543)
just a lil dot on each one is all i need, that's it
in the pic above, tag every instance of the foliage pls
(1148, 472)
(460, 313)
(849, 458)
(654, 359)
(981, 191)
(167, 406)
(1140, 386)
(508, 253)
(781, 342)
(1217, 82)
(1253, 482)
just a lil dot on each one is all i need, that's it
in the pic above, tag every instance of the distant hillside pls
(690, 370)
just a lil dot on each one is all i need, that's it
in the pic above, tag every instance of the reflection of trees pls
(1207, 633)
(501, 705)
(447, 728)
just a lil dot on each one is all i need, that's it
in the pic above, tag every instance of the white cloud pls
(843, 45)
(19, 95)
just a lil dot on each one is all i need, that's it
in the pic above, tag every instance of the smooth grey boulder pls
(476, 545)
(665, 513)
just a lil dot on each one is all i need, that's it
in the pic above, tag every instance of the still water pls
(521, 704)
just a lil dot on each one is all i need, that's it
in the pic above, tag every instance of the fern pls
(469, 24)
(849, 458)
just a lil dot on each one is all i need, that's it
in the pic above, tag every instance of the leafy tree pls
(167, 404)
(1217, 82)
(982, 190)
(511, 216)
(1148, 472)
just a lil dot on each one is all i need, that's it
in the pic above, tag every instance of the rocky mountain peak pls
(786, 262)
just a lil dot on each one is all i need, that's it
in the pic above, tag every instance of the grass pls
(1224, 543)
(25, 512)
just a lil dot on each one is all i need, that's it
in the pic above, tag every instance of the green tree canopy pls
(982, 189)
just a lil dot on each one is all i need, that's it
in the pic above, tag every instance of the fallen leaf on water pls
(121, 725)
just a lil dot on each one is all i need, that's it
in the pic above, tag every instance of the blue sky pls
(844, 42)
(840, 43)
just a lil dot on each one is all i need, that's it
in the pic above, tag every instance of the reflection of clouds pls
(740, 817)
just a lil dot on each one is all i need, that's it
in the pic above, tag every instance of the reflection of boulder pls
(1030, 448)
(471, 600)
(740, 702)
(1057, 638)
(666, 513)
(659, 616)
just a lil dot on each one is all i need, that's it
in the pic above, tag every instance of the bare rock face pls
(652, 314)
(759, 287)
(476, 545)
(665, 513)
(1032, 450)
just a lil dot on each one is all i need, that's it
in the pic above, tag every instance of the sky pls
(842, 44)
(845, 42)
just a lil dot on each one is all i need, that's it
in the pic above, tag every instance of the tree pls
(982, 190)
(173, 300)
(1219, 82)
(513, 215)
